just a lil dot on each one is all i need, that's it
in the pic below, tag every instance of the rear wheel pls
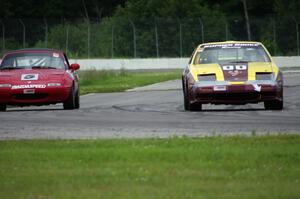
(274, 105)
(2, 107)
(71, 101)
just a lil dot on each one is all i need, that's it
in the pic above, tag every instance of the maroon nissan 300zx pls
(232, 72)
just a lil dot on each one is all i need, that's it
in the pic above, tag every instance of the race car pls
(38, 77)
(232, 72)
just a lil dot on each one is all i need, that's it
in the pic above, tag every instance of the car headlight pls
(5, 85)
(53, 84)
(207, 77)
(264, 76)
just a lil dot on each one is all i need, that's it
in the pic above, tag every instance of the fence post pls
(46, 32)
(24, 32)
(3, 36)
(134, 37)
(112, 41)
(297, 35)
(247, 19)
(156, 40)
(202, 29)
(274, 36)
(180, 37)
(88, 38)
(67, 38)
(226, 31)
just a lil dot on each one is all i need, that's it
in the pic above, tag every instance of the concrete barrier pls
(291, 62)
(131, 64)
(161, 63)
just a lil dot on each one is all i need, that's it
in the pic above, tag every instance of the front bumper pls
(223, 92)
(40, 96)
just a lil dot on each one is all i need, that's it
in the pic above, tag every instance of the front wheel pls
(71, 101)
(77, 100)
(186, 99)
(196, 107)
(186, 102)
(274, 105)
(188, 106)
(2, 107)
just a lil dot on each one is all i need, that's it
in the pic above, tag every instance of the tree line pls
(148, 28)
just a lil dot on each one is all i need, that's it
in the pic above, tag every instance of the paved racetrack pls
(153, 111)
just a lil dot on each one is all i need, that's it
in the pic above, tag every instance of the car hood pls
(21, 75)
(232, 71)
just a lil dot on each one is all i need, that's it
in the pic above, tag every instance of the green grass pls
(208, 168)
(121, 80)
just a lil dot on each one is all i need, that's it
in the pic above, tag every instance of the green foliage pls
(177, 23)
(54, 8)
(113, 37)
(70, 38)
(169, 16)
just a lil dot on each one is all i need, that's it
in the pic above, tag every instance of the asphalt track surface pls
(153, 111)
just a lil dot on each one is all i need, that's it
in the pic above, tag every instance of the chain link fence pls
(143, 38)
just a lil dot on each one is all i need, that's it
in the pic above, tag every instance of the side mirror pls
(74, 67)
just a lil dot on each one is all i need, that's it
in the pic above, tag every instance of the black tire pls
(273, 105)
(2, 107)
(196, 107)
(71, 101)
(77, 100)
(185, 99)
(188, 106)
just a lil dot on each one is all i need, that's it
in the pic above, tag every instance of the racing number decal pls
(241, 67)
(27, 77)
(236, 67)
(229, 67)
(235, 72)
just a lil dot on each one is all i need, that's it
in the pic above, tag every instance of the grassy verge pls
(114, 81)
(231, 167)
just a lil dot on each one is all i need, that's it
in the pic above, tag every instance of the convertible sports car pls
(232, 73)
(38, 77)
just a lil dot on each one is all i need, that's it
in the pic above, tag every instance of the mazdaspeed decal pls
(14, 87)
(29, 77)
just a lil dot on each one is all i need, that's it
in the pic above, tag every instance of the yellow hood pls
(253, 68)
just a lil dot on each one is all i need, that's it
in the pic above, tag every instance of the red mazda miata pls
(38, 77)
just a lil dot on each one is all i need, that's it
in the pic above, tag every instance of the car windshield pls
(33, 60)
(231, 53)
